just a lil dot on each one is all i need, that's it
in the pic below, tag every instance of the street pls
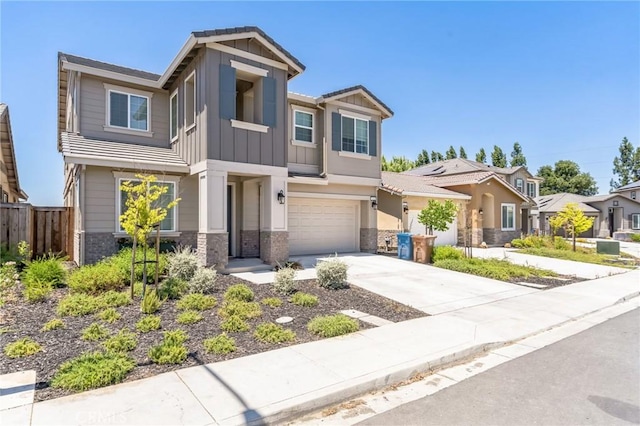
(590, 378)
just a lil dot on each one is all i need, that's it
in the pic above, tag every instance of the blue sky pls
(563, 79)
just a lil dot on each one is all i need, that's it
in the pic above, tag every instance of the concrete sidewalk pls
(284, 383)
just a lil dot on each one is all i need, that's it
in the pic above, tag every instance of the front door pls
(611, 224)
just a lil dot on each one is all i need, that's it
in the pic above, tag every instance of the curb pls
(627, 297)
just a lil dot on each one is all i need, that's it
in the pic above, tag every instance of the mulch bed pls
(19, 319)
(549, 282)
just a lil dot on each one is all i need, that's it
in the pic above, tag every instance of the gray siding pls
(93, 115)
(188, 205)
(520, 174)
(300, 154)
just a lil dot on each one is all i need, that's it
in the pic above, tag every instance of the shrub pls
(54, 324)
(92, 370)
(332, 325)
(189, 317)
(148, 323)
(97, 278)
(304, 299)
(95, 331)
(559, 243)
(183, 263)
(150, 303)
(21, 348)
(122, 261)
(171, 350)
(109, 315)
(175, 337)
(332, 274)
(515, 243)
(234, 323)
(36, 290)
(244, 310)
(269, 332)
(446, 252)
(115, 299)
(196, 302)
(79, 304)
(172, 288)
(203, 281)
(48, 270)
(220, 345)
(272, 302)
(9, 276)
(492, 268)
(124, 341)
(240, 292)
(635, 238)
(284, 281)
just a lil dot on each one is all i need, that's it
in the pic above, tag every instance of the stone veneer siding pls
(497, 237)
(476, 237)
(213, 249)
(388, 233)
(250, 243)
(186, 238)
(274, 246)
(98, 245)
(368, 240)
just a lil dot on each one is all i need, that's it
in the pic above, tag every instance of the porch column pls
(274, 237)
(368, 226)
(213, 238)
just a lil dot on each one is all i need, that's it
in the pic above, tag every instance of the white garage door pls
(445, 238)
(319, 226)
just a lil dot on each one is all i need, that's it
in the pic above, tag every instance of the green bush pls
(172, 288)
(284, 282)
(183, 263)
(492, 268)
(115, 299)
(189, 317)
(36, 290)
(109, 315)
(54, 324)
(446, 252)
(47, 270)
(332, 274)
(150, 303)
(171, 350)
(203, 281)
(234, 323)
(239, 292)
(635, 238)
(95, 331)
(515, 243)
(560, 243)
(9, 276)
(93, 370)
(269, 332)
(272, 302)
(95, 279)
(21, 348)
(79, 304)
(122, 260)
(332, 325)
(244, 310)
(304, 299)
(124, 341)
(196, 302)
(175, 337)
(148, 323)
(220, 345)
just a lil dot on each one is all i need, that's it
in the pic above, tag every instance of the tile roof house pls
(10, 190)
(631, 190)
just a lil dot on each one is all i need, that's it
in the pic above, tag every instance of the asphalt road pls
(591, 378)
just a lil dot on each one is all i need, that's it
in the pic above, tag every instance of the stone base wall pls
(368, 240)
(388, 233)
(250, 243)
(186, 238)
(213, 249)
(497, 237)
(98, 245)
(274, 246)
(476, 237)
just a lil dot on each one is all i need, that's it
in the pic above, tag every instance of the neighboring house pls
(261, 172)
(10, 191)
(400, 200)
(631, 190)
(612, 213)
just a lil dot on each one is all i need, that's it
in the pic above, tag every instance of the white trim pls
(353, 180)
(354, 155)
(302, 168)
(177, 117)
(384, 110)
(433, 195)
(363, 109)
(261, 72)
(354, 114)
(247, 55)
(303, 144)
(310, 112)
(249, 126)
(238, 168)
(186, 48)
(295, 194)
(174, 180)
(110, 74)
(308, 180)
(301, 98)
(513, 206)
(127, 131)
(302, 108)
(191, 76)
(108, 127)
(128, 90)
(233, 202)
(163, 234)
(632, 216)
(93, 160)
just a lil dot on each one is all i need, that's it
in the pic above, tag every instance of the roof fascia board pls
(7, 117)
(385, 111)
(506, 185)
(247, 55)
(301, 98)
(435, 195)
(186, 48)
(90, 160)
(110, 74)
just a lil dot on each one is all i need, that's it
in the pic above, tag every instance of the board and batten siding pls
(93, 116)
(300, 154)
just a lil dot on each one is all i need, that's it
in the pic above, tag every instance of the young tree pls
(517, 157)
(498, 158)
(423, 158)
(565, 176)
(481, 156)
(436, 156)
(627, 166)
(463, 153)
(437, 215)
(451, 153)
(573, 220)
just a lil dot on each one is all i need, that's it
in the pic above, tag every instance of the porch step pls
(236, 266)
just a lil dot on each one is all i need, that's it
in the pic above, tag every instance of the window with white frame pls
(531, 189)
(302, 126)
(168, 224)
(190, 100)
(635, 221)
(128, 110)
(508, 217)
(633, 195)
(173, 116)
(355, 135)
(520, 184)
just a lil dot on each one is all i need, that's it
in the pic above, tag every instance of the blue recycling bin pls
(405, 249)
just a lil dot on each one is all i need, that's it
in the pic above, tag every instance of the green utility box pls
(608, 247)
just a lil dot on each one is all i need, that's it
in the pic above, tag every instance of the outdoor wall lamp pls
(481, 212)
(405, 207)
(281, 197)
(374, 202)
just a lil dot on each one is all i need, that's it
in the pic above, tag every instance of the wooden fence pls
(46, 229)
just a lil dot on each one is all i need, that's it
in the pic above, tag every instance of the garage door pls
(319, 226)
(448, 237)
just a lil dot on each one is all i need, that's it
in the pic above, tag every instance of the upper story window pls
(302, 126)
(520, 184)
(355, 135)
(190, 100)
(531, 189)
(173, 116)
(633, 195)
(128, 110)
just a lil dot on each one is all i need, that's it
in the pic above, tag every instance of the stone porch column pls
(213, 238)
(368, 227)
(274, 237)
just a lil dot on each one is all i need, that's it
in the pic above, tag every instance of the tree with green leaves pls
(565, 176)
(436, 156)
(451, 153)
(437, 215)
(463, 153)
(627, 166)
(517, 157)
(397, 164)
(423, 158)
(498, 158)
(573, 220)
(481, 156)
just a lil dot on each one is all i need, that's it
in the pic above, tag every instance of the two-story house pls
(260, 172)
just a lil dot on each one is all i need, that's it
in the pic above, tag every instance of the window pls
(531, 189)
(355, 135)
(5, 197)
(635, 221)
(508, 217)
(520, 184)
(303, 126)
(173, 116)
(633, 195)
(190, 100)
(128, 111)
(169, 222)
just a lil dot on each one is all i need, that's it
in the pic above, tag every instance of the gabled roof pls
(359, 89)
(7, 152)
(417, 186)
(556, 202)
(632, 185)
(462, 165)
(78, 60)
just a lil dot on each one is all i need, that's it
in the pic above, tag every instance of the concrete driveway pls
(427, 288)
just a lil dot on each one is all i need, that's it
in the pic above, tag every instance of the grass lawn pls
(494, 268)
(582, 254)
